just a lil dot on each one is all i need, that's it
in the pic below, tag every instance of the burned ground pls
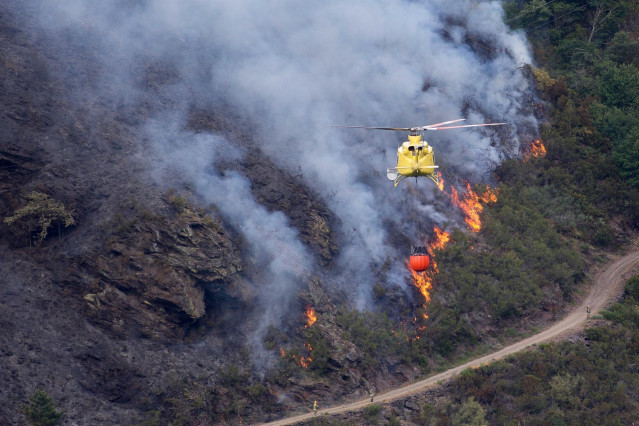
(118, 312)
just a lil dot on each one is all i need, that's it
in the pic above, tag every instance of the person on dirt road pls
(371, 393)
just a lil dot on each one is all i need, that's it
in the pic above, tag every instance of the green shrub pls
(394, 421)
(177, 202)
(632, 288)
(371, 412)
(41, 410)
(470, 413)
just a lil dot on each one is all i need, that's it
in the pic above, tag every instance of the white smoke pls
(294, 68)
(274, 247)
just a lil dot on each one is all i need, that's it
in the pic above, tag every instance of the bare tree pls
(602, 11)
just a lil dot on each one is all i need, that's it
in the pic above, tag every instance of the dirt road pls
(608, 284)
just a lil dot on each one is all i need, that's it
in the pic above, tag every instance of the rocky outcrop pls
(153, 274)
(275, 188)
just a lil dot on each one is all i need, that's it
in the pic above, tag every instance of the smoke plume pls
(295, 68)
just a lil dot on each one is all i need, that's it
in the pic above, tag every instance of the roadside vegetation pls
(553, 215)
(589, 381)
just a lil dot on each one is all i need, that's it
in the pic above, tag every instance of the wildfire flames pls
(302, 361)
(310, 317)
(537, 149)
(439, 242)
(471, 205)
(424, 283)
(424, 280)
(471, 202)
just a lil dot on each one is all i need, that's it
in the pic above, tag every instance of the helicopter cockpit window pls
(412, 150)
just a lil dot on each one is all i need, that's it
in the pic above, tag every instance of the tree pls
(632, 288)
(627, 156)
(41, 410)
(622, 49)
(602, 11)
(471, 413)
(619, 85)
(565, 388)
(40, 213)
(535, 13)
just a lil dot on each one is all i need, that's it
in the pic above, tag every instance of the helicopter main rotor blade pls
(466, 125)
(422, 128)
(445, 122)
(404, 129)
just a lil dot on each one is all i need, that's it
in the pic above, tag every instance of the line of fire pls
(422, 263)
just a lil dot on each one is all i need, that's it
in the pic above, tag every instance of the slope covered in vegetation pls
(556, 215)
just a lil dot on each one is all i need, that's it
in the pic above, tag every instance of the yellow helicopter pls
(415, 157)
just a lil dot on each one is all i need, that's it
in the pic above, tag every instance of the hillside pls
(186, 240)
(414, 401)
(583, 187)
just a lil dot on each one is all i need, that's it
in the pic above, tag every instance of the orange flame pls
(424, 280)
(471, 204)
(424, 283)
(440, 240)
(310, 317)
(303, 361)
(537, 149)
(489, 195)
(440, 184)
(471, 207)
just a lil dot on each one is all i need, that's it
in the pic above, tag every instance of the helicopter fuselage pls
(414, 158)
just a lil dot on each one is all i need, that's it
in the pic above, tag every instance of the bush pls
(632, 288)
(627, 156)
(470, 413)
(372, 411)
(41, 411)
(40, 213)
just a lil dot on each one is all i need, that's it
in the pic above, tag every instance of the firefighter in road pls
(315, 408)
(371, 393)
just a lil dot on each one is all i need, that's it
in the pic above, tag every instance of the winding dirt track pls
(608, 285)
